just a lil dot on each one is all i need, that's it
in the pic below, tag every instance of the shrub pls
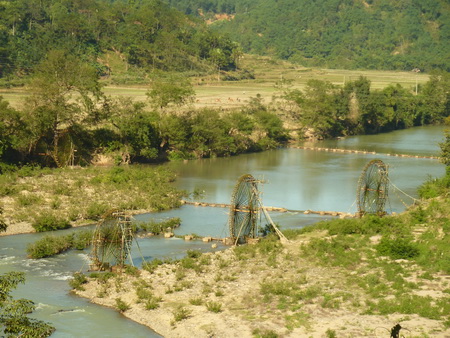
(196, 301)
(214, 307)
(257, 333)
(82, 239)
(95, 211)
(51, 245)
(132, 270)
(152, 265)
(27, 200)
(104, 277)
(188, 263)
(78, 280)
(194, 253)
(180, 313)
(399, 248)
(152, 303)
(159, 227)
(331, 333)
(121, 305)
(48, 246)
(435, 187)
(49, 222)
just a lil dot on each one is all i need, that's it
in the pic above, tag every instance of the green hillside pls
(370, 34)
(146, 35)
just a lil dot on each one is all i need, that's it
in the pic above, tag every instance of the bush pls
(132, 271)
(121, 305)
(159, 227)
(152, 303)
(180, 313)
(95, 211)
(48, 246)
(214, 307)
(82, 239)
(49, 222)
(78, 280)
(194, 253)
(399, 248)
(51, 245)
(435, 187)
(258, 333)
(27, 200)
(152, 265)
(196, 301)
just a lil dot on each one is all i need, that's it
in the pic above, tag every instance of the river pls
(294, 179)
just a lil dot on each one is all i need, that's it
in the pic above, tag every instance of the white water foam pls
(56, 275)
(5, 260)
(84, 257)
(41, 306)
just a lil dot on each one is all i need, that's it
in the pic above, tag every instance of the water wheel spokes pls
(244, 209)
(372, 191)
(112, 240)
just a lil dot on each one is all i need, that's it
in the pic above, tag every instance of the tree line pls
(67, 120)
(331, 111)
(146, 34)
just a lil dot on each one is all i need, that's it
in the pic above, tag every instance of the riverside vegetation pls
(52, 199)
(342, 277)
(53, 244)
(68, 120)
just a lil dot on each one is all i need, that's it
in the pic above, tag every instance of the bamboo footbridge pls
(353, 151)
(276, 209)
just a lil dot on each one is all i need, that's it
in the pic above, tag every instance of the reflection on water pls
(303, 179)
(415, 141)
(295, 179)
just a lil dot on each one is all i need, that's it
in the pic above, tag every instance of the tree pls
(376, 115)
(358, 93)
(3, 225)
(14, 321)
(211, 135)
(322, 108)
(137, 129)
(445, 147)
(65, 94)
(445, 150)
(436, 98)
(174, 89)
(10, 127)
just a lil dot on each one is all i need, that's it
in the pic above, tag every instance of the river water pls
(294, 179)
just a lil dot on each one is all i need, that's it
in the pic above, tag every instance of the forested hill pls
(148, 34)
(371, 34)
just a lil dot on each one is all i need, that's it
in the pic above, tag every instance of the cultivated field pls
(210, 92)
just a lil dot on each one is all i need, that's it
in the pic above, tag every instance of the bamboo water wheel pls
(112, 241)
(372, 192)
(245, 210)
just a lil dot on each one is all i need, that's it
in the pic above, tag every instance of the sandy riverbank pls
(259, 291)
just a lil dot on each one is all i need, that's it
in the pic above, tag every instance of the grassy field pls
(210, 92)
